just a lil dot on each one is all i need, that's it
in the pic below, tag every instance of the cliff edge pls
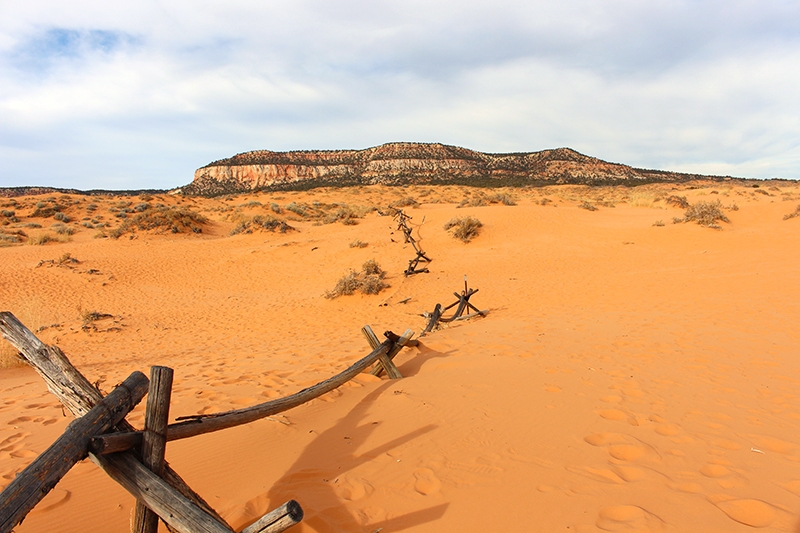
(413, 163)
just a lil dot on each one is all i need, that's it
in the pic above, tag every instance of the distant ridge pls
(415, 163)
(13, 192)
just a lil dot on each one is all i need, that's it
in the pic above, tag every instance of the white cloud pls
(139, 95)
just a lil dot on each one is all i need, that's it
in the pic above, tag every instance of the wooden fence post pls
(154, 440)
(35, 481)
(75, 392)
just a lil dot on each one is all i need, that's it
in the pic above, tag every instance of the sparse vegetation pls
(162, 219)
(406, 201)
(465, 228)
(370, 280)
(358, 244)
(658, 223)
(793, 214)
(588, 206)
(678, 201)
(480, 199)
(704, 213)
(39, 239)
(261, 222)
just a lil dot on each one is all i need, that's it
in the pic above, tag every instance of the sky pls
(135, 95)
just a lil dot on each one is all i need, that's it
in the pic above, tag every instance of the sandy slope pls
(629, 377)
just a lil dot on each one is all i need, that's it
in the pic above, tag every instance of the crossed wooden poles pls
(413, 264)
(463, 304)
(135, 459)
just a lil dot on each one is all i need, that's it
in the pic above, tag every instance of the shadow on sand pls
(313, 478)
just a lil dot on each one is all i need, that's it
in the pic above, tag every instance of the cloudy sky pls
(122, 95)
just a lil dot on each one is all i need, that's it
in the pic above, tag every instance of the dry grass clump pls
(464, 229)
(358, 244)
(162, 219)
(262, 223)
(480, 199)
(677, 201)
(39, 239)
(330, 213)
(793, 214)
(704, 213)
(587, 205)
(10, 237)
(369, 281)
(406, 201)
(658, 223)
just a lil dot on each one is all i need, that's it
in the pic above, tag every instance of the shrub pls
(465, 228)
(358, 244)
(261, 222)
(39, 239)
(160, 219)
(586, 205)
(705, 213)
(62, 229)
(678, 201)
(45, 211)
(276, 208)
(658, 223)
(406, 201)
(7, 213)
(793, 214)
(62, 217)
(502, 198)
(368, 281)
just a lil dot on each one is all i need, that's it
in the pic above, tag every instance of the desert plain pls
(632, 373)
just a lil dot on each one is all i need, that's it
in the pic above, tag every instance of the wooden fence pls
(464, 305)
(135, 458)
(413, 264)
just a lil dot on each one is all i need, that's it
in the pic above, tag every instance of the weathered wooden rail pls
(463, 304)
(413, 264)
(135, 459)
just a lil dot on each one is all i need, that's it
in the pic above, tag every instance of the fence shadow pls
(333, 453)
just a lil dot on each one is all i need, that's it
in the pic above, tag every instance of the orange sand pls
(628, 377)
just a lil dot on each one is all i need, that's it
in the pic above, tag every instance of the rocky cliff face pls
(412, 163)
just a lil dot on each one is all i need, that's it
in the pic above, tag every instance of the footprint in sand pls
(352, 489)
(668, 430)
(613, 414)
(56, 498)
(628, 518)
(624, 447)
(603, 475)
(426, 482)
(750, 512)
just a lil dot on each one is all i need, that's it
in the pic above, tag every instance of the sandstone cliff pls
(407, 163)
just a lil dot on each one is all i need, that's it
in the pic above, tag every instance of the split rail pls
(135, 458)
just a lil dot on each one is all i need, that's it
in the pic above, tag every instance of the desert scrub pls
(358, 244)
(62, 229)
(406, 201)
(588, 206)
(678, 201)
(7, 238)
(480, 199)
(261, 222)
(39, 239)
(162, 219)
(704, 213)
(464, 228)
(370, 280)
(793, 214)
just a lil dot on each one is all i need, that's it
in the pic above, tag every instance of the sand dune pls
(628, 377)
